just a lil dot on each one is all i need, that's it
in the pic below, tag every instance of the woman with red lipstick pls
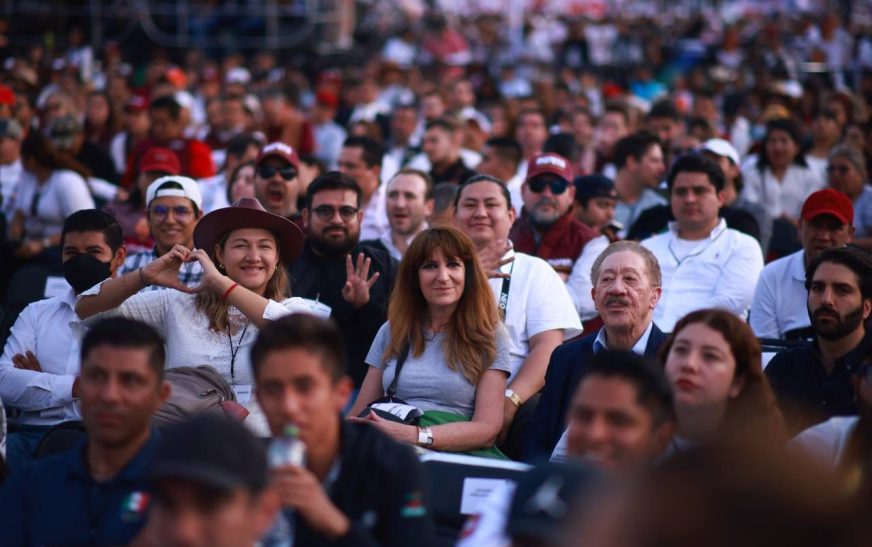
(443, 317)
(713, 362)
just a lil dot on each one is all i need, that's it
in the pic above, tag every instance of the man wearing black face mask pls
(40, 361)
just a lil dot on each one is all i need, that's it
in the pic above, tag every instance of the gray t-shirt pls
(426, 381)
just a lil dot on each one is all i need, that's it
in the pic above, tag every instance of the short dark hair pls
(506, 148)
(653, 392)
(238, 144)
(664, 108)
(302, 331)
(563, 144)
(332, 180)
(634, 145)
(373, 152)
(446, 123)
(697, 163)
(444, 196)
(169, 104)
(484, 178)
(94, 220)
(856, 260)
(423, 175)
(121, 332)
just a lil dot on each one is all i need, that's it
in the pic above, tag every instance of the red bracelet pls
(229, 290)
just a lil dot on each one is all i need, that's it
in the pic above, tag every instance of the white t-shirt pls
(826, 442)
(64, 193)
(537, 302)
(780, 198)
(579, 283)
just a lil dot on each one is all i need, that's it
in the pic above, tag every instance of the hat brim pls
(212, 226)
(198, 472)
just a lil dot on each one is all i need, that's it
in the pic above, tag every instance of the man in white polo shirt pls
(538, 311)
(779, 306)
(704, 263)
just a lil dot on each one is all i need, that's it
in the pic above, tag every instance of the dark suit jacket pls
(564, 372)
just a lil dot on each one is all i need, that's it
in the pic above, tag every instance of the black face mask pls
(83, 271)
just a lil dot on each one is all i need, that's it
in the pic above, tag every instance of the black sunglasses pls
(267, 172)
(557, 185)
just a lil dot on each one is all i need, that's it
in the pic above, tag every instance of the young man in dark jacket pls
(358, 487)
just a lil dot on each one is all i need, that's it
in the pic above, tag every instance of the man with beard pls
(778, 309)
(547, 228)
(276, 180)
(352, 283)
(409, 204)
(813, 382)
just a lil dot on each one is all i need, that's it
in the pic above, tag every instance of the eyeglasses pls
(557, 186)
(326, 212)
(267, 172)
(181, 212)
(840, 169)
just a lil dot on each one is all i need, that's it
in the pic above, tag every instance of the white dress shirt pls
(375, 215)
(780, 299)
(537, 302)
(719, 271)
(45, 398)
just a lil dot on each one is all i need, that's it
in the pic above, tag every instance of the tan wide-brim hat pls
(249, 213)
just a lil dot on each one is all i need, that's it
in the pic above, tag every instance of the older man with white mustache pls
(626, 288)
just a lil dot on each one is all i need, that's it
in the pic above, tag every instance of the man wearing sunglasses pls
(546, 227)
(173, 207)
(276, 184)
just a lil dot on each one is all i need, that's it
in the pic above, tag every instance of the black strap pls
(401, 358)
(503, 302)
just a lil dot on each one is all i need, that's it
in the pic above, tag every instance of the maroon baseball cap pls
(279, 150)
(829, 202)
(549, 163)
(160, 159)
(136, 103)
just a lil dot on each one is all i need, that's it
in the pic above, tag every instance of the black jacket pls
(564, 372)
(380, 488)
(806, 394)
(322, 278)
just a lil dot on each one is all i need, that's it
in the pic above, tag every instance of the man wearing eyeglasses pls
(174, 205)
(276, 184)
(546, 227)
(350, 282)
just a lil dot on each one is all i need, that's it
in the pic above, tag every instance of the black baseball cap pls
(546, 497)
(213, 450)
(594, 186)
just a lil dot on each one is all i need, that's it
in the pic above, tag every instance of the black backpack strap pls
(401, 358)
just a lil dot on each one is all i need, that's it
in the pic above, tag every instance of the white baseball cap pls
(720, 147)
(189, 189)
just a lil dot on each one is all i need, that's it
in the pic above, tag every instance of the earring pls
(221, 266)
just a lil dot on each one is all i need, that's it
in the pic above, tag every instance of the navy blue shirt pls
(55, 501)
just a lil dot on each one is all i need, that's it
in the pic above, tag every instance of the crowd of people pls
(639, 264)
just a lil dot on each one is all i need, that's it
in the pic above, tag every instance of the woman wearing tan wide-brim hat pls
(244, 251)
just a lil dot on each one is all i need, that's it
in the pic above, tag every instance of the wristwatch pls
(425, 437)
(514, 397)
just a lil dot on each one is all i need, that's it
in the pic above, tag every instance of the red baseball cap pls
(549, 163)
(136, 103)
(829, 202)
(327, 98)
(160, 159)
(279, 150)
(7, 96)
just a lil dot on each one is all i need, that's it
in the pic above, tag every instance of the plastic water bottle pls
(286, 449)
